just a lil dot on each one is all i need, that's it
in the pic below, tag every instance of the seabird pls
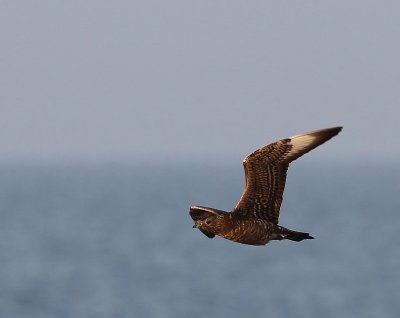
(254, 220)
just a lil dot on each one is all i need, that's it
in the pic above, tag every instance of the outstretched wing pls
(266, 169)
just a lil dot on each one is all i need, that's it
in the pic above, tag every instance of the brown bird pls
(255, 218)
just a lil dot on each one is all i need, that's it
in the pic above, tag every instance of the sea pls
(116, 240)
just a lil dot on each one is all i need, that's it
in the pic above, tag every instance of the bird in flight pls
(254, 220)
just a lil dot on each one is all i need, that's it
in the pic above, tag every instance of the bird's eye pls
(208, 222)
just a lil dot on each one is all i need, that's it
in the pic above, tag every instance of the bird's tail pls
(297, 236)
(286, 234)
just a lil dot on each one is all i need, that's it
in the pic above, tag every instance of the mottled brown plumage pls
(255, 218)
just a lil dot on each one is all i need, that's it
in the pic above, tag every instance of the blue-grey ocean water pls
(117, 241)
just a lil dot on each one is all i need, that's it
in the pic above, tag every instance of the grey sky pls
(176, 80)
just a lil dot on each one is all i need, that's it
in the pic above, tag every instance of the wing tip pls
(331, 131)
(305, 142)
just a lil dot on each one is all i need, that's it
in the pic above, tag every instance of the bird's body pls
(254, 220)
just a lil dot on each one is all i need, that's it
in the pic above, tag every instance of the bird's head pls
(207, 220)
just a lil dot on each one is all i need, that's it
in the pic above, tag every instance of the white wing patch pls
(299, 143)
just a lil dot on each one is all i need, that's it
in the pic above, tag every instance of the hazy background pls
(176, 80)
(116, 116)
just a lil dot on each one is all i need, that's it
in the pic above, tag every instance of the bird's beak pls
(194, 226)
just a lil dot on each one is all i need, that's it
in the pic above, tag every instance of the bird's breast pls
(253, 232)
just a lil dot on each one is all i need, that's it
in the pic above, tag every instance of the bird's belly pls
(252, 232)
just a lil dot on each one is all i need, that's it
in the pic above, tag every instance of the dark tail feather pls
(297, 236)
